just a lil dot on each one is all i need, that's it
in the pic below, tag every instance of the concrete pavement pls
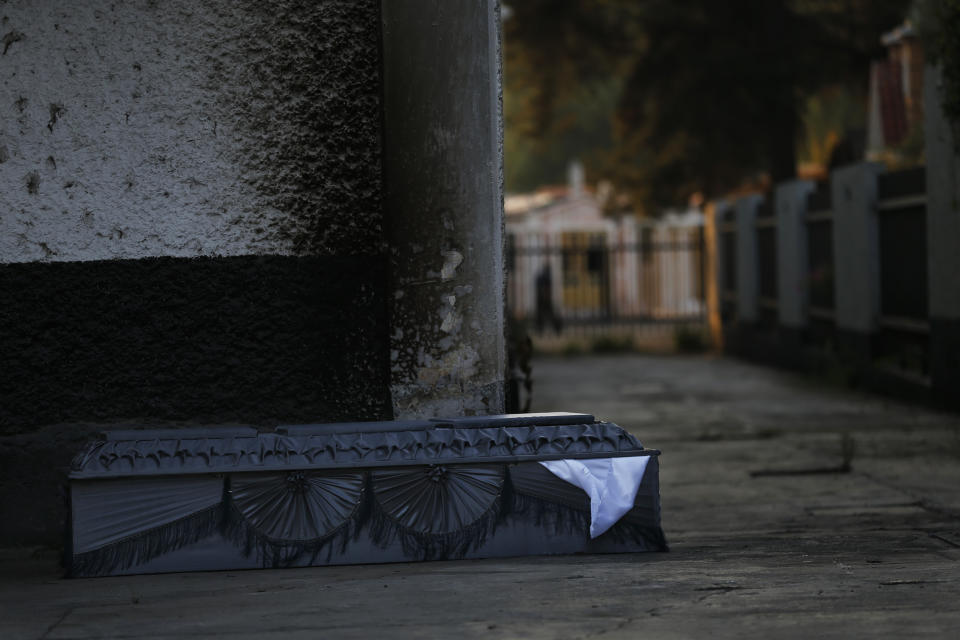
(769, 536)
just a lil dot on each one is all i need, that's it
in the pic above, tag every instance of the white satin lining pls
(611, 483)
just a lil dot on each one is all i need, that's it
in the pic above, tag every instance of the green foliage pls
(827, 116)
(939, 24)
(711, 93)
(581, 129)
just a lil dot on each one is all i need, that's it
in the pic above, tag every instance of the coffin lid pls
(462, 440)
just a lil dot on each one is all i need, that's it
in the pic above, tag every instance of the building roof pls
(898, 35)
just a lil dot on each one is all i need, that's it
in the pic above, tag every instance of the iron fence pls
(585, 280)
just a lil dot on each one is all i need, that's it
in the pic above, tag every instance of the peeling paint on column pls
(449, 314)
(451, 260)
(442, 364)
(444, 197)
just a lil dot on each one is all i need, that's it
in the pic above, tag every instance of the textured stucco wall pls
(150, 152)
(184, 128)
(252, 339)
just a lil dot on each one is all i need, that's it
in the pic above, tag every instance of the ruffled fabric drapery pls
(123, 523)
(415, 490)
(434, 512)
(282, 516)
(437, 512)
(611, 484)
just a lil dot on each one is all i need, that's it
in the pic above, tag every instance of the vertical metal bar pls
(605, 265)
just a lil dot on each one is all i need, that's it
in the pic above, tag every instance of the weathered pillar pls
(943, 243)
(444, 203)
(721, 213)
(790, 209)
(747, 276)
(856, 256)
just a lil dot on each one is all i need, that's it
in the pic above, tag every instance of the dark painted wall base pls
(258, 339)
(859, 353)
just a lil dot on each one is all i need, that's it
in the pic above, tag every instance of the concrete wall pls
(191, 225)
(191, 202)
(915, 356)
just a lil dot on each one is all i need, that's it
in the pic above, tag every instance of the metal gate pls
(581, 280)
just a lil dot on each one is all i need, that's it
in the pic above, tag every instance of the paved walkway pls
(764, 542)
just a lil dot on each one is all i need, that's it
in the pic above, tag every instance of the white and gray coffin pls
(232, 498)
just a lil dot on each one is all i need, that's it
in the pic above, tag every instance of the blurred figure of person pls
(545, 310)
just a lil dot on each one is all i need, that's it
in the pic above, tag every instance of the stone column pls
(943, 243)
(790, 209)
(720, 210)
(856, 256)
(444, 206)
(747, 276)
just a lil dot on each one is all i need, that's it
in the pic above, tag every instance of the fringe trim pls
(225, 518)
(554, 517)
(560, 519)
(417, 545)
(274, 553)
(145, 546)
(453, 545)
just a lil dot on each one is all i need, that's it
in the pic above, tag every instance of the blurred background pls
(632, 126)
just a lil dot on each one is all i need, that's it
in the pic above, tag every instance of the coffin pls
(304, 495)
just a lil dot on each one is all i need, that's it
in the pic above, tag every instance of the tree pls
(711, 91)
